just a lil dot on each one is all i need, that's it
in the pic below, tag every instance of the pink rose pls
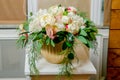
(71, 9)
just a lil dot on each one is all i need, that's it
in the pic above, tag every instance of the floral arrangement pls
(57, 24)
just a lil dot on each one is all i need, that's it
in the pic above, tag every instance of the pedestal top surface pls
(46, 68)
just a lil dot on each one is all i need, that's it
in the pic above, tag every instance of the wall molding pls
(8, 34)
(96, 12)
(97, 59)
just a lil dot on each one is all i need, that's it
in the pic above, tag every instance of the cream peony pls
(47, 19)
(35, 26)
(56, 10)
(73, 27)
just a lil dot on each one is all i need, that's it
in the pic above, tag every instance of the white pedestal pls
(49, 71)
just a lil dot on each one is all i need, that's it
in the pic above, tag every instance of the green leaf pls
(69, 44)
(58, 39)
(83, 33)
(70, 56)
(40, 35)
(52, 43)
(39, 45)
(31, 36)
(65, 13)
(64, 46)
(90, 45)
(22, 38)
(70, 37)
(82, 39)
(92, 36)
(22, 41)
(48, 40)
(61, 33)
(43, 31)
(26, 25)
(31, 13)
(35, 37)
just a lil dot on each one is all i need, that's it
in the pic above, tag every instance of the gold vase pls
(51, 54)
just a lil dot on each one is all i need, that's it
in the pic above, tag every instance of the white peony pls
(39, 13)
(78, 19)
(47, 19)
(35, 26)
(73, 27)
(55, 10)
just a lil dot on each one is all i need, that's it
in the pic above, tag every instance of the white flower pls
(65, 19)
(55, 10)
(21, 27)
(73, 28)
(78, 19)
(35, 26)
(60, 26)
(54, 17)
(39, 13)
(47, 19)
(70, 14)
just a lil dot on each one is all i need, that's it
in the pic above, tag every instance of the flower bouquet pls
(53, 33)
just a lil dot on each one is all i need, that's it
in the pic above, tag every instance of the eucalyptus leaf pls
(83, 33)
(90, 45)
(82, 39)
(22, 41)
(22, 37)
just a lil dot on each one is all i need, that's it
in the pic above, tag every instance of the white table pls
(49, 71)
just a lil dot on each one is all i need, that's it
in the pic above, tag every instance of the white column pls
(32, 6)
(96, 11)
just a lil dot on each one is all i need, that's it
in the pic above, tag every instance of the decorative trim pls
(96, 12)
(8, 34)
(97, 59)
